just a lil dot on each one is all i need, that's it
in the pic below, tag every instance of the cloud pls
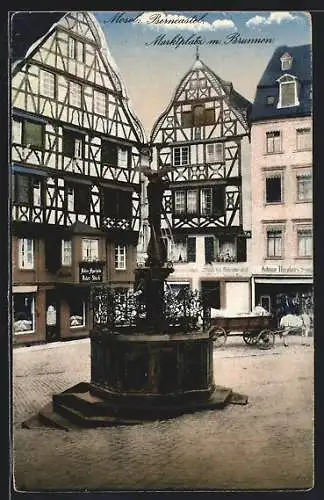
(273, 18)
(196, 22)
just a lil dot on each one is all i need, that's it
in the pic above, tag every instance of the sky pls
(151, 71)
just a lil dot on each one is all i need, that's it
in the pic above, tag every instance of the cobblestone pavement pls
(267, 444)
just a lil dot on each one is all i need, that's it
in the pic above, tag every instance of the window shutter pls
(109, 153)
(209, 249)
(82, 199)
(241, 249)
(68, 144)
(52, 254)
(191, 249)
(218, 200)
(22, 189)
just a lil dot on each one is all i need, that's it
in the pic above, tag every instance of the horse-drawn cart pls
(256, 330)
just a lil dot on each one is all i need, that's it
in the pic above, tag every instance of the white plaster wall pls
(290, 161)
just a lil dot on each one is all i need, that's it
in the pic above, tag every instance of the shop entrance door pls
(52, 321)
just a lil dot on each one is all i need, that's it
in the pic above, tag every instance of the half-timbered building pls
(203, 136)
(76, 149)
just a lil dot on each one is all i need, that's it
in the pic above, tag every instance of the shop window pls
(120, 257)
(99, 102)
(273, 142)
(47, 84)
(274, 243)
(304, 242)
(303, 139)
(23, 313)
(274, 189)
(77, 312)
(181, 156)
(75, 94)
(66, 253)
(90, 249)
(191, 249)
(304, 188)
(26, 253)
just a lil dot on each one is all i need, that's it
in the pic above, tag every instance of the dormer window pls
(288, 91)
(286, 61)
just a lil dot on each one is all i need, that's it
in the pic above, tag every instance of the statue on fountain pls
(149, 281)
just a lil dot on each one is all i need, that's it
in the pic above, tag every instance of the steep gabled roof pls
(268, 86)
(240, 104)
(28, 30)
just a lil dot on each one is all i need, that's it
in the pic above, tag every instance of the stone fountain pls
(151, 354)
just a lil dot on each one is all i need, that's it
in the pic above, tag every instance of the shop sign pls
(285, 269)
(91, 272)
(228, 270)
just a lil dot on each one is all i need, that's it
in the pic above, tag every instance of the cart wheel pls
(250, 338)
(265, 339)
(219, 336)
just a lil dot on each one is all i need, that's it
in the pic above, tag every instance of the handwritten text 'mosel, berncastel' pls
(156, 18)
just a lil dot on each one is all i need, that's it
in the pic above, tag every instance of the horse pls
(292, 322)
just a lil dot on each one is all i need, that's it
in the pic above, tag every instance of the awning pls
(26, 170)
(24, 289)
(284, 281)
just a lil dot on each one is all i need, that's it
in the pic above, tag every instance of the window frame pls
(183, 201)
(299, 132)
(299, 180)
(269, 176)
(181, 151)
(287, 80)
(215, 157)
(205, 212)
(72, 94)
(274, 231)
(99, 97)
(307, 232)
(64, 261)
(271, 140)
(120, 257)
(72, 138)
(85, 250)
(23, 262)
(84, 316)
(33, 314)
(43, 92)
